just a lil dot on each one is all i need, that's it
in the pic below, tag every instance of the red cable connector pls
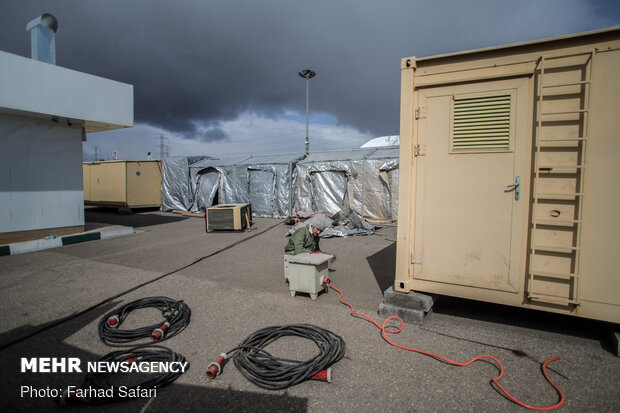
(324, 375)
(113, 321)
(132, 359)
(159, 333)
(215, 368)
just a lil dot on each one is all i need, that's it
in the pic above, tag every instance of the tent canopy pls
(265, 181)
(364, 181)
(356, 181)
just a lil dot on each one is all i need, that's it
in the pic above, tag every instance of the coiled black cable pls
(274, 373)
(101, 387)
(176, 316)
(73, 316)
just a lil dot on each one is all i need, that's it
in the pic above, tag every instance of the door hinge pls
(419, 150)
(420, 112)
(416, 257)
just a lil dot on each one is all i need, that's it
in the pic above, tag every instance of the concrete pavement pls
(241, 289)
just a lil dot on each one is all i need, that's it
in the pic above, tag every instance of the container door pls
(471, 172)
(108, 183)
(262, 192)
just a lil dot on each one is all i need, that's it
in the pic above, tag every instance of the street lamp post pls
(307, 74)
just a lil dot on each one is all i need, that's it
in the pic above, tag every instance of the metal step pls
(568, 140)
(569, 196)
(558, 222)
(582, 138)
(569, 112)
(553, 248)
(560, 166)
(552, 299)
(583, 82)
(566, 276)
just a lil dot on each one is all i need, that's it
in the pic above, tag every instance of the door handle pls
(515, 187)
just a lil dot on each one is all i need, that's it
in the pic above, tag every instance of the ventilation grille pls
(481, 123)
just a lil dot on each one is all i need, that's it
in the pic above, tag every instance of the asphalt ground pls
(241, 289)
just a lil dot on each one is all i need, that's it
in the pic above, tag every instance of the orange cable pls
(384, 331)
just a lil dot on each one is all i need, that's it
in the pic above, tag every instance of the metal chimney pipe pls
(43, 38)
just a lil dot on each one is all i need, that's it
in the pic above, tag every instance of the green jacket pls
(302, 241)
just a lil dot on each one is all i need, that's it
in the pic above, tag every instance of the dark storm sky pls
(196, 64)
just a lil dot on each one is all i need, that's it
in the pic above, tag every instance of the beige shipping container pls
(509, 170)
(123, 184)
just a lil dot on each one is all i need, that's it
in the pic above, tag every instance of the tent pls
(364, 181)
(176, 188)
(206, 179)
(356, 181)
(265, 181)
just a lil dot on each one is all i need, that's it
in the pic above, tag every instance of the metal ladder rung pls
(567, 276)
(560, 166)
(564, 140)
(569, 112)
(563, 56)
(552, 299)
(558, 196)
(558, 223)
(550, 248)
(583, 82)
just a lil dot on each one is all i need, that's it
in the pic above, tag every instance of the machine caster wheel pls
(313, 296)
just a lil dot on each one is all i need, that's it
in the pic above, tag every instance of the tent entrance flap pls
(206, 189)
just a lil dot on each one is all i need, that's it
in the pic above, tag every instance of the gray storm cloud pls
(202, 62)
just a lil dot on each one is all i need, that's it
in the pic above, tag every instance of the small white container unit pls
(306, 271)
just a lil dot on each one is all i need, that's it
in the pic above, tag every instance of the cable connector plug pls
(159, 333)
(114, 321)
(325, 280)
(324, 375)
(132, 359)
(215, 368)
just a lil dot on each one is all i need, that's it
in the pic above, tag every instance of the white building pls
(46, 112)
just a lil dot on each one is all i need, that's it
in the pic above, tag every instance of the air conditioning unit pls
(228, 217)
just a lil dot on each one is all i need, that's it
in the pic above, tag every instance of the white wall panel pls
(40, 175)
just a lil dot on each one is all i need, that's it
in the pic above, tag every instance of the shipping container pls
(509, 167)
(122, 184)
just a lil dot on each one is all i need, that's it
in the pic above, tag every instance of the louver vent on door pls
(481, 123)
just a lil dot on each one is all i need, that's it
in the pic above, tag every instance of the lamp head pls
(307, 74)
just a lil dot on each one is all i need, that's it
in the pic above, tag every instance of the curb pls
(43, 244)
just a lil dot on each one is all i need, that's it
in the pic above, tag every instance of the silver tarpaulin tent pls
(359, 181)
(265, 181)
(176, 193)
(208, 182)
(352, 187)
